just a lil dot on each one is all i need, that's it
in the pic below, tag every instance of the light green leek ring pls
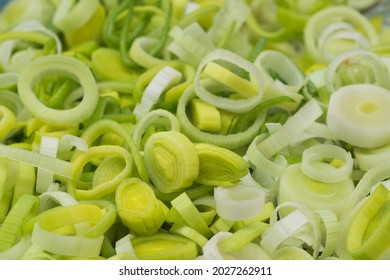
(317, 153)
(232, 105)
(52, 65)
(230, 141)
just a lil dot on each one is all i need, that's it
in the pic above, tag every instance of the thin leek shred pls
(210, 130)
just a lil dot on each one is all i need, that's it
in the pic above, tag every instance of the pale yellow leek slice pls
(138, 207)
(171, 160)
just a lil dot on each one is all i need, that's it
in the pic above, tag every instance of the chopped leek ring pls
(291, 78)
(77, 246)
(231, 105)
(48, 147)
(164, 246)
(294, 126)
(317, 153)
(60, 65)
(138, 207)
(70, 15)
(317, 24)
(10, 231)
(219, 166)
(7, 121)
(173, 149)
(163, 80)
(155, 117)
(106, 186)
(239, 202)
(190, 233)
(357, 114)
(370, 227)
(205, 116)
(244, 236)
(190, 214)
(229, 141)
(295, 186)
(357, 67)
(190, 44)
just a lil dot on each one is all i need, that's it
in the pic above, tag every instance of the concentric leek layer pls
(171, 161)
(368, 234)
(297, 187)
(138, 207)
(164, 246)
(219, 166)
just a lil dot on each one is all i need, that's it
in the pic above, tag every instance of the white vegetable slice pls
(359, 115)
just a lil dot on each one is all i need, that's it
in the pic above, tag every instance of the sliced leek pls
(357, 115)
(173, 149)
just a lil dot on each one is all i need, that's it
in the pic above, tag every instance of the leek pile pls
(161, 129)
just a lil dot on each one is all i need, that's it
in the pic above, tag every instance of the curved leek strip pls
(292, 129)
(254, 89)
(372, 177)
(318, 25)
(61, 65)
(259, 161)
(190, 214)
(190, 44)
(230, 141)
(57, 166)
(295, 186)
(25, 183)
(77, 246)
(139, 52)
(15, 12)
(291, 253)
(155, 117)
(190, 233)
(369, 158)
(164, 246)
(239, 202)
(17, 251)
(244, 236)
(363, 122)
(105, 223)
(101, 127)
(370, 227)
(70, 15)
(233, 13)
(124, 245)
(282, 78)
(138, 207)
(10, 230)
(7, 121)
(211, 250)
(357, 67)
(106, 186)
(48, 200)
(65, 218)
(317, 154)
(164, 79)
(331, 232)
(48, 147)
(173, 149)
(263, 21)
(8, 80)
(278, 232)
(219, 166)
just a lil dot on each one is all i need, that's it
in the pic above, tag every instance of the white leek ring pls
(358, 114)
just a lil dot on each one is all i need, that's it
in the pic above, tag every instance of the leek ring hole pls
(53, 90)
(350, 72)
(367, 108)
